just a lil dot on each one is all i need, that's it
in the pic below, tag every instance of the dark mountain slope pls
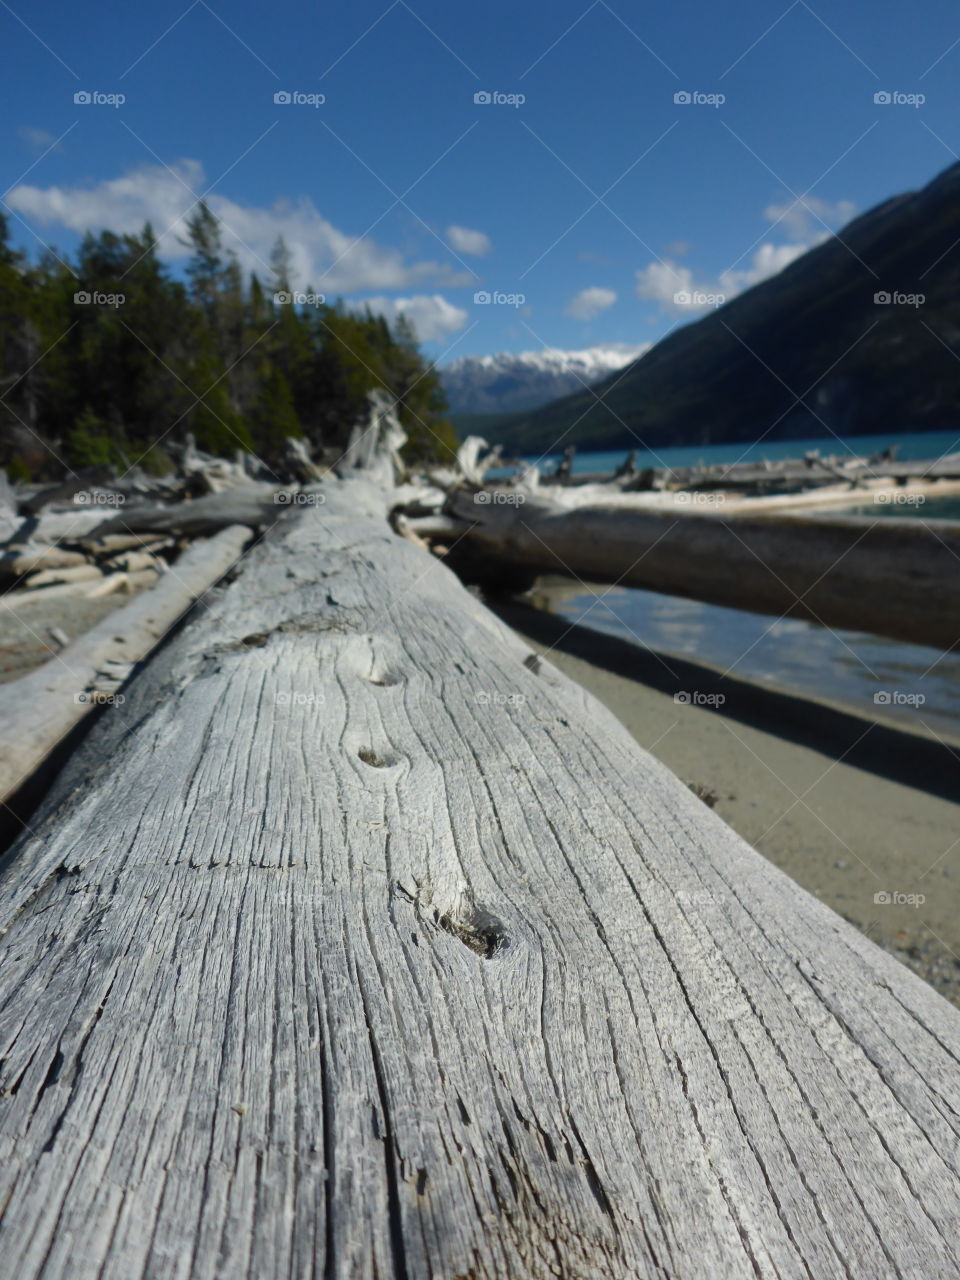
(813, 332)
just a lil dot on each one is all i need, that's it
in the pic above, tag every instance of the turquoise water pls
(926, 444)
(845, 667)
(909, 505)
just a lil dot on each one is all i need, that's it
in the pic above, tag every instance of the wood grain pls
(361, 943)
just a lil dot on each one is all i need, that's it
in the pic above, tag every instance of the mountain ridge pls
(802, 354)
(524, 380)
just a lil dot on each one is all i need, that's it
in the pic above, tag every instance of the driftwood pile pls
(361, 943)
(769, 476)
(776, 554)
(97, 534)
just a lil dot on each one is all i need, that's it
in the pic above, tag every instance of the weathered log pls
(113, 543)
(126, 581)
(9, 520)
(57, 527)
(83, 572)
(79, 483)
(40, 708)
(17, 561)
(131, 561)
(88, 589)
(255, 505)
(215, 475)
(14, 601)
(892, 577)
(373, 449)
(359, 942)
(468, 459)
(301, 465)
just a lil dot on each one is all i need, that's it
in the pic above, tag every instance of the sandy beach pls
(864, 816)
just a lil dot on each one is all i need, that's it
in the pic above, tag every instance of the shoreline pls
(848, 807)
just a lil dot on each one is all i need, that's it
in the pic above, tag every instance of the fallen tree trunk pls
(892, 577)
(15, 562)
(39, 710)
(89, 589)
(113, 543)
(125, 580)
(255, 504)
(56, 577)
(359, 942)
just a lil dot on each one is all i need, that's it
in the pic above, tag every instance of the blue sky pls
(598, 199)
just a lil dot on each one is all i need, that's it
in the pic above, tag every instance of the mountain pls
(524, 380)
(859, 335)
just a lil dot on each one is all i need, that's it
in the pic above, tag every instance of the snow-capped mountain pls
(513, 381)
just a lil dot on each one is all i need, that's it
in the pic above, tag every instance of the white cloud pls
(433, 317)
(662, 281)
(39, 139)
(767, 260)
(590, 302)
(805, 222)
(463, 240)
(329, 259)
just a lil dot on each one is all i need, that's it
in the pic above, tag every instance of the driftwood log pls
(359, 942)
(15, 562)
(253, 504)
(54, 577)
(892, 577)
(39, 710)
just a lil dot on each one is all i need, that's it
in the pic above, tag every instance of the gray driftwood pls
(17, 561)
(53, 577)
(39, 709)
(893, 577)
(254, 504)
(361, 943)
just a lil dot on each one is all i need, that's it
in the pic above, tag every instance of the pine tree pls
(90, 384)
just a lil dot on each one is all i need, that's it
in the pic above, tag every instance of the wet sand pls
(857, 813)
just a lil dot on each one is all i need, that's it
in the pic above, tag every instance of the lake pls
(924, 444)
(907, 684)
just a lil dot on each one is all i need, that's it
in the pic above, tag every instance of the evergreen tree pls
(93, 383)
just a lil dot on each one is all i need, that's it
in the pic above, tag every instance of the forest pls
(109, 360)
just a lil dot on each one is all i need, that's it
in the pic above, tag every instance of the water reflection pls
(884, 679)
